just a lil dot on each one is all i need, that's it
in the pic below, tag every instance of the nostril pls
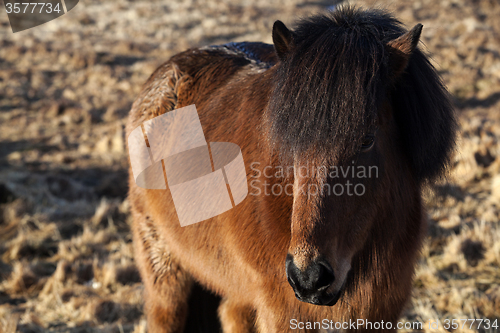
(326, 277)
(316, 277)
(291, 271)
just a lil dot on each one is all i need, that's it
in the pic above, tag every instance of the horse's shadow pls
(202, 316)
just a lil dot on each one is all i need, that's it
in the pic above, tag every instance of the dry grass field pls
(66, 258)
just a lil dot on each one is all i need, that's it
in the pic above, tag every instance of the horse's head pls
(363, 117)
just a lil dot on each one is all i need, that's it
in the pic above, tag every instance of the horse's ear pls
(401, 48)
(282, 39)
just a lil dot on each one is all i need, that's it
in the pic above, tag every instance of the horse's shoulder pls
(172, 83)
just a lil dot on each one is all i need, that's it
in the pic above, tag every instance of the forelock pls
(328, 89)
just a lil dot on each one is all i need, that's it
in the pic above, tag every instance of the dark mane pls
(425, 118)
(330, 86)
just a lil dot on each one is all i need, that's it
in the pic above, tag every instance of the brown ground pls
(66, 261)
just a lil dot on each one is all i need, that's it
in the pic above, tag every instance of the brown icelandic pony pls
(345, 90)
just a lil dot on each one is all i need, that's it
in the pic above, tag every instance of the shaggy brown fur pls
(299, 105)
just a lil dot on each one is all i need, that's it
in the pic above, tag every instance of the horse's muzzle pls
(311, 284)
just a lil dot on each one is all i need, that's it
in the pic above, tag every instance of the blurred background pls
(66, 259)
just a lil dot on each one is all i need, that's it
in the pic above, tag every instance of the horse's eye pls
(367, 143)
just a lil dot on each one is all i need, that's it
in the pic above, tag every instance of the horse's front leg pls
(236, 318)
(266, 321)
(167, 285)
(166, 303)
(277, 318)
